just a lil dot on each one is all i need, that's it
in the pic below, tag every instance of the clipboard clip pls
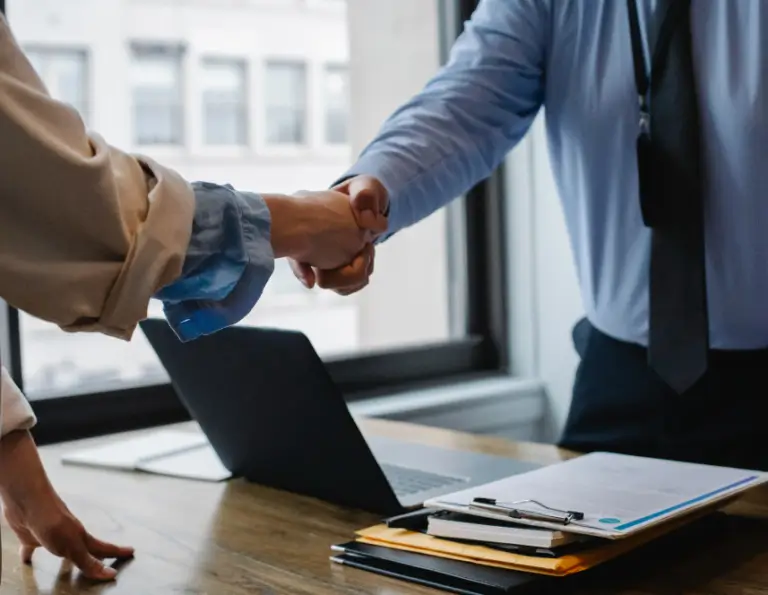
(553, 515)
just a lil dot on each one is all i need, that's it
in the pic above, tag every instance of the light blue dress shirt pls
(229, 261)
(573, 58)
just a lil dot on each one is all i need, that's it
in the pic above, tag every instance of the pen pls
(558, 516)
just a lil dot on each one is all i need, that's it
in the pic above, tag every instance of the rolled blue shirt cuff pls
(229, 262)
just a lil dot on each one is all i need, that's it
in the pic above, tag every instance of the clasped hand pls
(341, 257)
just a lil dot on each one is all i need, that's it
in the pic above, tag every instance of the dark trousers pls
(620, 405)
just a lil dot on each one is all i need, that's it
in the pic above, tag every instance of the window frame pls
(481, 352)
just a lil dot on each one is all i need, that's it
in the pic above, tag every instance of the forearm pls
(21, 469)
(462, 124)
(22, 473)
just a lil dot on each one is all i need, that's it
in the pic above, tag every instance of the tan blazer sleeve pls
(87, 233)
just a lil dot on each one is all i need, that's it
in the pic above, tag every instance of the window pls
(225, 103)
(65, 74)
(285, 89)
(336, 105)
(434, 308)
(158, 106)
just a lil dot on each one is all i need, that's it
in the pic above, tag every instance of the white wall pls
(544, 296)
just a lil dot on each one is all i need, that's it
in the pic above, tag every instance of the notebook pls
(460, 526)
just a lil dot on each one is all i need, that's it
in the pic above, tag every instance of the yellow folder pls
(421, 543)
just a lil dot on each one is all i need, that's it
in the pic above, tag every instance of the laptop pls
(274, 416)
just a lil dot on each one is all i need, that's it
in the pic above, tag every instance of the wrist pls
(22, 475)
(289, 227)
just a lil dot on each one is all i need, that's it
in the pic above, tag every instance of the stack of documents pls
(554, 521)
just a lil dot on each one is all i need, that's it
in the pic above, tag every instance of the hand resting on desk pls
(39, 517)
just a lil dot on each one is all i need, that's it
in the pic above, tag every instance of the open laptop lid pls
(272, 413)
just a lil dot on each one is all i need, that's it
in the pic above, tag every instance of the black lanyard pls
(642, 81)
(663, 25)
(674, 9)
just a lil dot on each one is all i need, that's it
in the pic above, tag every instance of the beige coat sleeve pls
(87, 233)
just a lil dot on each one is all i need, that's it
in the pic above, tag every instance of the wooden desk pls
(237, 538)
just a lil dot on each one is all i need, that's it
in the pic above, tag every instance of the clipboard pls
(604, 495)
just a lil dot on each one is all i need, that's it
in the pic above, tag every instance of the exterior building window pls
(286, 103)
(336, 81)
(65, 74)
(157, 91)
(225, 103)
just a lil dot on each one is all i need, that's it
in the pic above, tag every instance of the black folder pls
(441, 573)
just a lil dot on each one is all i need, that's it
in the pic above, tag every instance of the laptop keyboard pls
(406, 481)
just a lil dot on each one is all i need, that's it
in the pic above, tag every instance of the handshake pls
(328, 235)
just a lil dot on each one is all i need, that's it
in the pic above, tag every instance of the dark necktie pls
(671, 191)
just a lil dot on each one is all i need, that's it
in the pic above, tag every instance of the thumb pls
(303, 273)
(369, 201)
(29, 543)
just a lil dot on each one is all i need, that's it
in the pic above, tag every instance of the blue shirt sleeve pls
(229, 261)
(459, 128)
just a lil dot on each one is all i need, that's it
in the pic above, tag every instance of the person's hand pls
(338, 234)
(40, 518)
(317, 228)
(369, 201)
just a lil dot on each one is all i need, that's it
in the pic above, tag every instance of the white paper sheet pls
(618, 494)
